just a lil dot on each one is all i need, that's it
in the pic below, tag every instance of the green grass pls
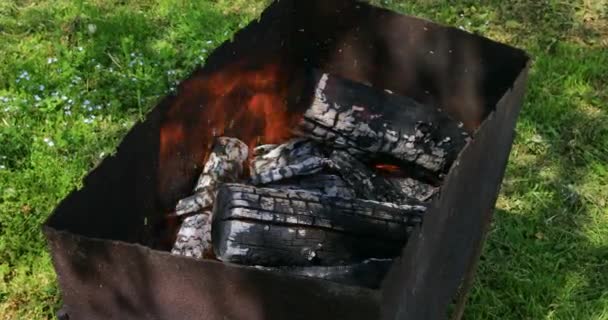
(75, 75)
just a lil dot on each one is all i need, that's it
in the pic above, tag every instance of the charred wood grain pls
(414, 188)
(326, 184)
(267, 157)
(270, 227)
(367, 183)
(368, 122)
(194, 237)
(297, 157)
(225, 164)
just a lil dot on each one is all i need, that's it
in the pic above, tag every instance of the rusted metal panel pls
(103, 279)
(109, 240)
(437, 259)
(513, 102)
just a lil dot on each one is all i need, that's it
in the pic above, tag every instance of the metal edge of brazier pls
(420, 286)
(117, 280)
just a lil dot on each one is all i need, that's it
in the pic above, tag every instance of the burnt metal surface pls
(435, 262)
(109, 240)
(102, 279)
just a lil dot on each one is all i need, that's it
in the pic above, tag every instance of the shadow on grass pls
(545, 257)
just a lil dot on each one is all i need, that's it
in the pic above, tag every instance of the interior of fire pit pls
(253, 89)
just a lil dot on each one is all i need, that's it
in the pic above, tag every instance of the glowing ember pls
(388, 168)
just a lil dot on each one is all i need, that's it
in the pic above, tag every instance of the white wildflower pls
(49, 142)
(92, 28)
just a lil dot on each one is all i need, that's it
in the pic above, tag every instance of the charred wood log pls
(416, 189)
(325, 184)
(272, 156)
(225, 164)
(307, 166)
(270, 227)
(194, 237)
(366, 183)
(369, 123)
(368, 274)
(297, 157)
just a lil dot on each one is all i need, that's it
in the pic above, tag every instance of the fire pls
(388, 168)
(244, 101)
(250, 105)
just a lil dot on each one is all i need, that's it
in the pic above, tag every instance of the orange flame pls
(388, 168)
(244, 103)
(240, 101)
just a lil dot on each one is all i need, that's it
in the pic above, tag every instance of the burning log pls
(272, 156)
(297, 157)
(225, 164)
(307, 166)
(325, 184)
(416, 189)
(366, 183)
(270, 227)
(194, 237)
(373, 123)
(368, 273)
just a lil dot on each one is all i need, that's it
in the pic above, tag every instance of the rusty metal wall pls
(444, 252)
(103, 280)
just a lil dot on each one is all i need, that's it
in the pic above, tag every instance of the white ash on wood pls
(270, 227)
(194, 237)
(326, 184)
(368, 122)
(225, 164)
(367, 183)
(417, 189)
(297, 157)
